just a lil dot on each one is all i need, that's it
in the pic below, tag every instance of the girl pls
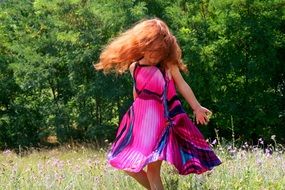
(156, 128)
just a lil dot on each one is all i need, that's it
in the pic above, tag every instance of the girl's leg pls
(153, 175)
(141, 177)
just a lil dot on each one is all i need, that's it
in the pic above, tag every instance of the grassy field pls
(86, 168)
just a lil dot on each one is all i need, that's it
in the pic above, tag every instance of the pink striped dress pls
(156, 127)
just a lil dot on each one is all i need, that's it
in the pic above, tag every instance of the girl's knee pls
(153, 169)
(130, 173)
(154, 165)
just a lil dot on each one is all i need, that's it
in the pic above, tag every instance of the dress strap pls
(142, 65)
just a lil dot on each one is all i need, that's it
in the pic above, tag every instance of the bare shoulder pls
(132, 67)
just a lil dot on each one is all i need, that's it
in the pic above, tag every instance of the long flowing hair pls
(147, 35)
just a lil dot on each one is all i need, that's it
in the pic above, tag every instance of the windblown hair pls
(147, 35)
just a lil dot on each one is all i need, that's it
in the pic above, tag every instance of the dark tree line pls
(234, 51)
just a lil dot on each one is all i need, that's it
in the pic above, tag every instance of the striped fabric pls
(157, 128)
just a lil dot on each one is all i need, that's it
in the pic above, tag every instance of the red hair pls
(147, 35)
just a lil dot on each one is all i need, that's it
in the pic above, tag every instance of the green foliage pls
(233, 48)
(234, 51)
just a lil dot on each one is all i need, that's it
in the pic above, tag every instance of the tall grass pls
(86, 168)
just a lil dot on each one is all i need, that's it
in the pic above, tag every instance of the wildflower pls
(232, 150)
(242, 153)
(40, 167)
(214, 142)
(59, 177)
(260, 141)
(57, 163)
(259, 162)
(68, 162)
(255, 148)
(7, 152)
(245, 146)
(268, 152)
(77, 169)
(89, 163)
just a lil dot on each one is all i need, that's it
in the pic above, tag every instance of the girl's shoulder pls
(171, 70)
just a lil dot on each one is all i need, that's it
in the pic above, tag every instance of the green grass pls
(86, 168)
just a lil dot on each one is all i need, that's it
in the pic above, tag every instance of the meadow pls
(85, 167)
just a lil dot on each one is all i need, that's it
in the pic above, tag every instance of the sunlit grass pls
(86, 168)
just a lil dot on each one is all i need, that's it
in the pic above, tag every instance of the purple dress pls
(156, 127)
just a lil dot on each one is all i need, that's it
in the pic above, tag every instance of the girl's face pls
(153, 56)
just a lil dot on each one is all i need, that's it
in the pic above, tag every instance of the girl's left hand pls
(202, 115)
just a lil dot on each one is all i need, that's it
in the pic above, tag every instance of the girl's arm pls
(134, 93)
(202, 114)
(131, 68)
